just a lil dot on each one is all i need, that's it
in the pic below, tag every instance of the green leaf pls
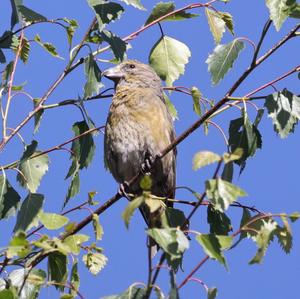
(212, 247)
(18, 246)
(280, 10)
(212, 293)
(245, 135)
(7, 72)
(236, 155)
(227, 18)
(98, 229)
(245, 219)
(2, 57)
(15, 15)
(29, 15)
(25, 47)
(74, 242)
(57, 269)
(8, 294)
(216, 24)
(222, 193)
(227, 173)
(32, 169)
(93, 76)
(219, 223)
(168, 58)
(295, 11)
(30, 208)
(47, 46)
(38, 115)
(135, 3)
(106, 12)
(204, 158)
(73, 188)
(196, 95)
(172, 240)
(294, 216)
(83, 148)
(9, 198)
(163, 8)
(173, 218)
(117, 45)
(222, 59)
(171, 107)
(94, 261)
(6, 39)
(284, 237)
(35, 278)
(74, 279)
(131, 207)
(52, 220)
(284, 110)
(133, 292)
(263, 238)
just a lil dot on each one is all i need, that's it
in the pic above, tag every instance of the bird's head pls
(134, 73)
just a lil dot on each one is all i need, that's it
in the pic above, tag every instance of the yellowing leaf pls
(204, 158)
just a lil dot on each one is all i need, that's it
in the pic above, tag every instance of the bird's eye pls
(132, 66)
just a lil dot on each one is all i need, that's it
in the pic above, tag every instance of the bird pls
(139, 127)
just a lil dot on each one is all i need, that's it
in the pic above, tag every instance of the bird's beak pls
(113, 73)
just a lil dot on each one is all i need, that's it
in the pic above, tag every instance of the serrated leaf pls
(83, 147)
(106, 12)
(95, 262)
(9, 198)
(245, 135)
(284, 237)
(52, 220)
(163, 8)
(219, 223)
(222, 59)
(47, 46)
(284, 110)
(29, 15)
(6, 39)
(236, 155)
(37, 116)
(15, 15)
(212, 293)
(73, 188)
(7, 72)
(93, 76)
(57, 269)
(28, 213)
(227, 173)
(131, 207)
(295, 11)
(74, 242)
(216, 24)
(35, 278)
(18, 246)
(117, 45)
(98, 229)
(2, 57)
(74, 279)
(212, 247)
(294, 216)
(280, 10)
(222, 193)
(172, 240)
(244, 220)
(25, 47)
(204, 158)
(168, 58)
(31, 170)
(171, 107)
(196, 95)
(135, 3)
(263, 239)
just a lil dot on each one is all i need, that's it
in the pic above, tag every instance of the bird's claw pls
(123, 190)
(148, 164)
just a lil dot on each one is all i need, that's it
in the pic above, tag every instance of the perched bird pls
(139, 126)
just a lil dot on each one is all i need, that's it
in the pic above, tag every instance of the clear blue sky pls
(271, 178)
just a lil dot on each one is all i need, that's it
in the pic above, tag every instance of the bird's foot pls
(124, 189)
(148, 164)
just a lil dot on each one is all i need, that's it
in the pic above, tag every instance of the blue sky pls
(271, 178)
